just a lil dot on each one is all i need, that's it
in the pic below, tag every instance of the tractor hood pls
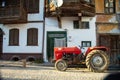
(59, 51)
(67, 50)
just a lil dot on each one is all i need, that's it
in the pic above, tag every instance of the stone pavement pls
(46, 71)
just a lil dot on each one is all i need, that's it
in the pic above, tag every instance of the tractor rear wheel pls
(61, 65)
(97, 61)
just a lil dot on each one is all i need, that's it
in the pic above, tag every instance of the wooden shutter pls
(99, 6)
(14, 37)
(32, 37)
(118, 5)
(32, 6)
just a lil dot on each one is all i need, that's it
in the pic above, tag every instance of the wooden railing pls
(9, 11)
(72, 8)
(77, 1)
(12, 12)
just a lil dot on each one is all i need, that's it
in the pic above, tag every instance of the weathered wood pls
(72, 8)
(106, 28)
(13, 14)
(104, 18)
(24, 63)
(99, 6)
(59, 21)
(112, 42)
(117, 6)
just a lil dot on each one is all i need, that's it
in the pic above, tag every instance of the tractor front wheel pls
(97, 61)
(61, 65)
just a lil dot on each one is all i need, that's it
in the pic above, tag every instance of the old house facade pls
(108, 27)
(21, 29)
(70, 23)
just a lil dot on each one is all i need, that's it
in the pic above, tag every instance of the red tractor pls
(95, 58)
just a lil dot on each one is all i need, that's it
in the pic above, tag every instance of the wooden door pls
(114, 48)
(104, 40)
(113, 43)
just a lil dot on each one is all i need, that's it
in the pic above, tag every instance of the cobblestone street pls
(38, 72)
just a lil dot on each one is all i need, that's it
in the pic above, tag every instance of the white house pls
(68, 35)
(21, 29)
(69, 23)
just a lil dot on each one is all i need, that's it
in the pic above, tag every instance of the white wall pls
(77, 35)
(22, 48)
(74, 36)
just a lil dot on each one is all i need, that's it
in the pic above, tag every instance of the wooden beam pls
(58, 11)
(59, 21)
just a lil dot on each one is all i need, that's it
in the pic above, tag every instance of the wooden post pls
(24, 63)
(58, 11)
(59, 21)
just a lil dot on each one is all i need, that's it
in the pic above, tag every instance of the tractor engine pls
(69, 54)
(71, 58)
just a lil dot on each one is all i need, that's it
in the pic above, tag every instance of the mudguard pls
(103, 48)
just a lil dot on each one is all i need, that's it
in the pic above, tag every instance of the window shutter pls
(32, 6)
(117, 5)
(32, 37)
(99, 6)
(14, 37)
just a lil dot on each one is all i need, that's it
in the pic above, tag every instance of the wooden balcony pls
(13, 14)
(72, 8)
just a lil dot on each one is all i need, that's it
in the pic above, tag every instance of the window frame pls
(14, 37)
(81, 25)
(76, 24)
(107, 6)
(85, 25)
(32, 37)
(85, 43)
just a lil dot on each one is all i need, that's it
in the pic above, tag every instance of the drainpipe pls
(43, 32)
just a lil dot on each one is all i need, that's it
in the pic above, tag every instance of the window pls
(86, 43)
(14, 37)
(32, 6)
(76, 24)
(2, 3)
(84, 25)
(109, 6)
(32, 37)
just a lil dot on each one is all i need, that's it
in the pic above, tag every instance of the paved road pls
(38, 72)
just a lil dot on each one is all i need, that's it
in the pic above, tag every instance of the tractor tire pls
(61, 65)
(97, 61)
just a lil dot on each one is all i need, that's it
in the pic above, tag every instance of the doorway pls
(113, 43)
(55, 39)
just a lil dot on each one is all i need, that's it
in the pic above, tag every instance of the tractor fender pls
(103, 48)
